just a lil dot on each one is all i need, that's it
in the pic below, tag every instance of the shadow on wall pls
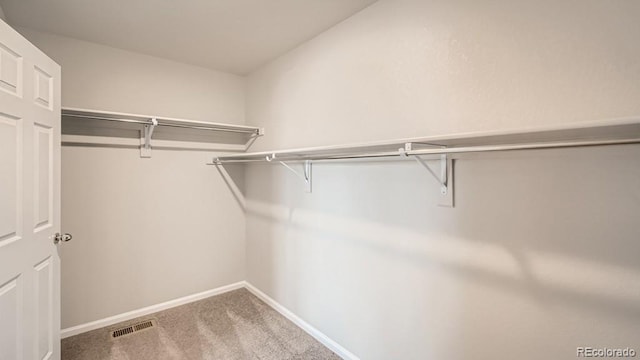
(556, 227)
(233, 176)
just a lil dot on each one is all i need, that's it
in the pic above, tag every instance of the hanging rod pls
(187, 124)
(439, 151)
(625, 131)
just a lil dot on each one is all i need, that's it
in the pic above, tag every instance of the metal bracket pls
(444, 177)
(305, 176)
(145, 149)
(253, 138)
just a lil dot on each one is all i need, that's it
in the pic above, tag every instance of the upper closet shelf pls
(100, 128)
(442, 149)
(622, 131)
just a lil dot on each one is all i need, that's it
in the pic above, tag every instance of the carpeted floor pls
(234, 325)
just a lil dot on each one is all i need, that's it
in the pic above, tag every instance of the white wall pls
(405, 67)
(145, 230)
(540, 254)
(103, 78)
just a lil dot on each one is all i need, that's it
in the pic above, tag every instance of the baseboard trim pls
(317, 334)
(79, 329)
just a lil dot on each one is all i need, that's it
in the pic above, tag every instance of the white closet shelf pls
(611, 132)
(442, 148)
(83, 127)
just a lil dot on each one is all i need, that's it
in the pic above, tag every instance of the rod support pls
(441, 178)
(145, 149)
(305, 175)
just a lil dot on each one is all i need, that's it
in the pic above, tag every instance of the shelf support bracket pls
(444, 175)
(305, 175)
(440, 178)
(145, 149)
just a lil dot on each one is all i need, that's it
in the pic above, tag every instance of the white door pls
(29, 200)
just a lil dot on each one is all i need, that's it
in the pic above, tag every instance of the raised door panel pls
(10, 179)
(43, 179)
(43, 88)
(44, 306)
(11, 317)
(10, 71)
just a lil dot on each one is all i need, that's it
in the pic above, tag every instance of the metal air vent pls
(133, 328)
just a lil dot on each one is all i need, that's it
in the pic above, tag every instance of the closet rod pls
(436, 151)
(160, 123)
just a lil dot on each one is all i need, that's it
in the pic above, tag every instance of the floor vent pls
(132, 329)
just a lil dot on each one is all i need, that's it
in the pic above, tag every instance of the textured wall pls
(145, 230)
(410, 68)
(540, 254)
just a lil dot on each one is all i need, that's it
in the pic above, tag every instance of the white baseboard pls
(79, 329)
(322, 338)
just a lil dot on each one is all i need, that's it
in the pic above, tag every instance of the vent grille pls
(132, 329)
(142, 326)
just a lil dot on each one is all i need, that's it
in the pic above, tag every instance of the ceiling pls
(236, 36)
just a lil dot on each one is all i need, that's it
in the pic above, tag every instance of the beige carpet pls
(234, 325)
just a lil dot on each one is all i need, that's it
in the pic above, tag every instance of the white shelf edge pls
(114, 129)
(148, 117)
(603, 125)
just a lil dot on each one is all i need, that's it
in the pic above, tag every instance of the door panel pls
(30, 200)
(43, 88)
(10, 71)
(43, 190)
(11, 179)
(43, 298)
(10, 339)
